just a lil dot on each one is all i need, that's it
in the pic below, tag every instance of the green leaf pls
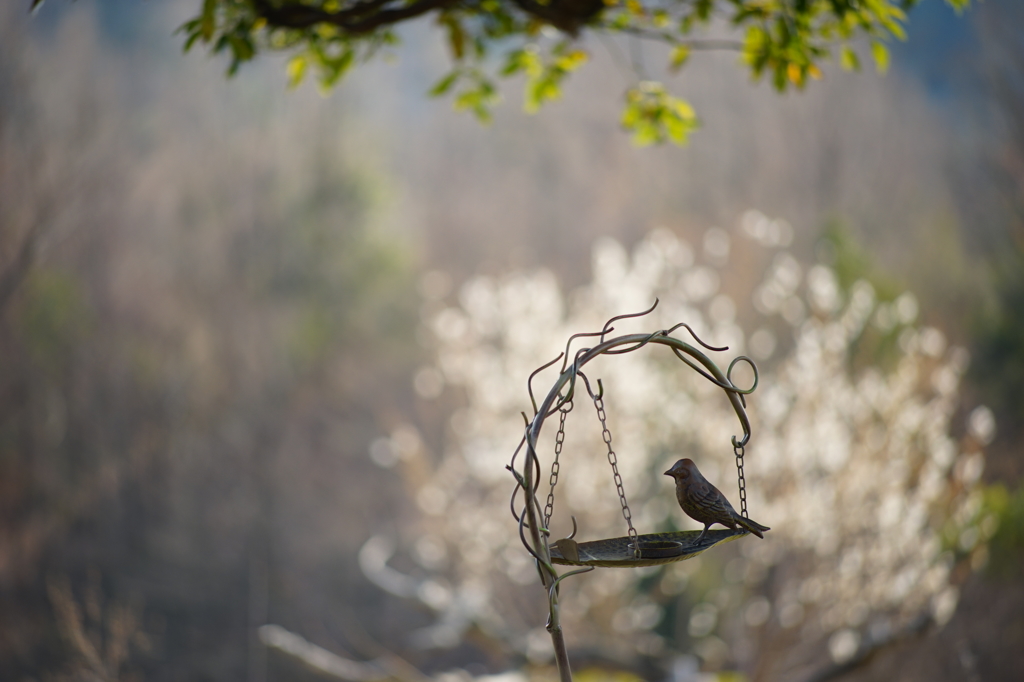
(344, 63)
(242, 50)
(533, 65)
(540, 90)
(193, 36)
(478, 98)
(514, 63)
(445, 84)
(682, 109)
(848, 59)
(680, 53)
(241, 47)
(783, 40)
(654, 116)
(896, 29)
(207, 20)
(756, 45)
(296, 70)
(333, 68)
(456, 36)
(881, 54)
(780, 76)
(571, 60)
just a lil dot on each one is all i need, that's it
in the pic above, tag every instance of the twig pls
(359, 19)
(671, 39)
(320, 659)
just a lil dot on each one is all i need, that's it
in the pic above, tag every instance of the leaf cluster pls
(785, 41)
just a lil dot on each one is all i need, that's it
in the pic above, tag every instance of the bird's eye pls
(684, 474)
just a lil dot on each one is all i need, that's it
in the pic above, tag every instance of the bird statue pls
(705, 503)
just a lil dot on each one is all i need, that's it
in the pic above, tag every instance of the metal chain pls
(549, 507)
(738, 451)
(613, 460)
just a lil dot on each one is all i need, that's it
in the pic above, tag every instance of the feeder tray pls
(655, 549)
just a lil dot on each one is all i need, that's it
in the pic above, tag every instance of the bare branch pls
(361, 18)
(318, 658)
(567, 15)
(672, 39)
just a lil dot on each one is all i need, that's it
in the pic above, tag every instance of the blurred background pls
(263, 354)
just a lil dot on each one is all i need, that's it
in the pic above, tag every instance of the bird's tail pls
(753, 526)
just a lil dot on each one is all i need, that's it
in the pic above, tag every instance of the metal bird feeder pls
(633, 549)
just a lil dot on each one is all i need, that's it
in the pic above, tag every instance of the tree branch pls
(667, 37)
(567, 15)
(362, 17)
(317, 658)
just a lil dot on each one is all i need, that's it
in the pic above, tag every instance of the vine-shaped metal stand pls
(634, 549)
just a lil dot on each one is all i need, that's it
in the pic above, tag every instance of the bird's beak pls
(669, 472)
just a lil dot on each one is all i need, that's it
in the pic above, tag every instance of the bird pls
(705, 503)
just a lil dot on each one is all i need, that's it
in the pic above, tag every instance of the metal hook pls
(600, 387)
(562, 401)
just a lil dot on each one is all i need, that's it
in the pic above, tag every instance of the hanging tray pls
(655, 549)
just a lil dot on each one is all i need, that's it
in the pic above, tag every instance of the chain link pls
(549, 507)
(738, 451)
(613, 460)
